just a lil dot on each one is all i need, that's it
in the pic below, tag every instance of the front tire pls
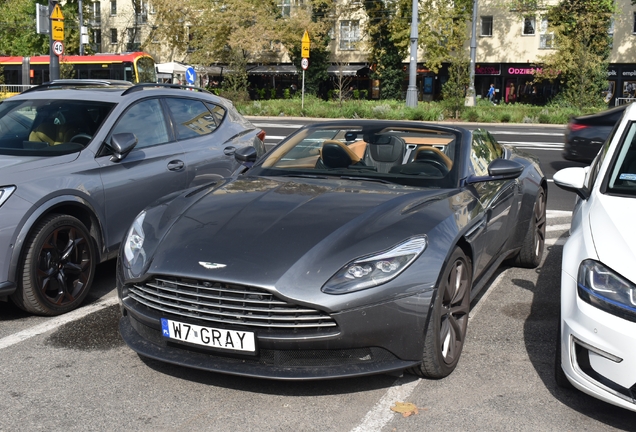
(446, 332)
(58, 266)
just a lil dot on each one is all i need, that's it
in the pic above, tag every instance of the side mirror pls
(499, 169)
(572, 180)
(246, 155)
(122, 144)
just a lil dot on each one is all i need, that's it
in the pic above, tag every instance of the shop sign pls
(629, 73)
(523, 71)
(488, 70)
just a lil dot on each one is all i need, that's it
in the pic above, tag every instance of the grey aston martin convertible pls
(352, 248)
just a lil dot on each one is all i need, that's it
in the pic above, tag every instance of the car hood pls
(612, 227)
(263, 231)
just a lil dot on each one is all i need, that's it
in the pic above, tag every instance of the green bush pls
(505, 117)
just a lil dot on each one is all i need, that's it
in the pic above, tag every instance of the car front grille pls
(227, 304)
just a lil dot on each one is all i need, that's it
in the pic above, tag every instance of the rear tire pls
(446, 332)
(57, 267)
(533, 243)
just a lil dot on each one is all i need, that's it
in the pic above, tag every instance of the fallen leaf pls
(405, 408)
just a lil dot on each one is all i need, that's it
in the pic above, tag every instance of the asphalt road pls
(75, 373)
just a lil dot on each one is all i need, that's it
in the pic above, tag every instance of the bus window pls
(146, 70)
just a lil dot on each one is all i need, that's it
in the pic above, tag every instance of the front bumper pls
(598, 349)
(376, 339)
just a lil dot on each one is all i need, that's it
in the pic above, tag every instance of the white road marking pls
(56, 322)
(562, 227)
(557, 213)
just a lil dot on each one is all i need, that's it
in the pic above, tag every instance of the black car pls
(351, 248)
(585, 134)
(79, 159)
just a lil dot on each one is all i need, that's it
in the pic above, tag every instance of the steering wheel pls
(437, 164)
(83, 136)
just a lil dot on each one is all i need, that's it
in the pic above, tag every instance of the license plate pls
(230, 340)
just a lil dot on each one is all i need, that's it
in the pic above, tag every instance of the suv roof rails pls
(141, 86)
(75, 83)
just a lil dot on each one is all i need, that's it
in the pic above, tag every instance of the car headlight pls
(607, 290)
(5, 193)
(134, 254)
(374, 270)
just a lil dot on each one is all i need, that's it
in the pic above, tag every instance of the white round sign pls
(58, 48)
(304, 63)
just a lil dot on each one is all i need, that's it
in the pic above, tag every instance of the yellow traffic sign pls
(57, 13)
(305, 45)
(58, 30)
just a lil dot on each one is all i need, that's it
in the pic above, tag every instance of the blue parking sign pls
(191, 75)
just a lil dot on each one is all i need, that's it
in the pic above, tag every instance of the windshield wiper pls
(366, 179)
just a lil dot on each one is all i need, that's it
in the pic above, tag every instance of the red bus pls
(135, 67)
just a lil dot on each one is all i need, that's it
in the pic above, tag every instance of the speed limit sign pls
(304, 63)
(58, 48)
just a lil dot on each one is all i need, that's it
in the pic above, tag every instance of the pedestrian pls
(491, 94)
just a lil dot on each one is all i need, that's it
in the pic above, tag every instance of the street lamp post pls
(470, 95)
(411, 91)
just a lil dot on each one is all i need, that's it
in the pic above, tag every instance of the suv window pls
(145, 119)
(191, 118)
(49, 127)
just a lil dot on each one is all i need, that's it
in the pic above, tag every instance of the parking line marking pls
(380, 414)
(56, 322)
(562, 227)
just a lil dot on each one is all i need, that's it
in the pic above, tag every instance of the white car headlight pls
(5, 193)
(374, 270)
(134, 254)
(607, 290)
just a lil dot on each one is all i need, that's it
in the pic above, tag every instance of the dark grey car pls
(353, 247)
(78, 162)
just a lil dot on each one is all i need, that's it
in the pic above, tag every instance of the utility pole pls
(411, 90)
(54, 62)
(470, 95)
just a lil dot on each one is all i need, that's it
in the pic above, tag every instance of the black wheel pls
(58, 265)
(447, 327)
(532, 247)
(559, 375)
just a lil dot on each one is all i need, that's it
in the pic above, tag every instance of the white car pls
(596, 352)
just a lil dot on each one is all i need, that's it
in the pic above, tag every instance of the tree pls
(582, 46)
(385, 30)
(17, 29)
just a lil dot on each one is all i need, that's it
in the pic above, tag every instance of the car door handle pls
(229, 150)
(175, 165)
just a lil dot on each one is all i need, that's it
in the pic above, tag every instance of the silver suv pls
(80, 159)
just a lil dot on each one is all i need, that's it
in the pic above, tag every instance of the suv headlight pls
(374, 270)
(134, 254)
(5, 193)
(607, 290)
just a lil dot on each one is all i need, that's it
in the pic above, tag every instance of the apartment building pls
(509, 48)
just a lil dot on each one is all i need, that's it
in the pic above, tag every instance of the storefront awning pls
(348, 70)
(274, 70)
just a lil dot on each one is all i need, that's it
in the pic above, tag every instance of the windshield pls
(146, 72)
(622, 170)
(49, 127)
(413, 156)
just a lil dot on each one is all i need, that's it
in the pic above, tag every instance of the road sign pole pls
(302, 98)
(54, 62)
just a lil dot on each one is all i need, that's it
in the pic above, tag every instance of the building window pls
(97, 13)
(113, 7)
(97, 37)
(349, 34)
(546, 39)
(285, 7)
(486, 26)
(528, 26)
(155, 35)
(133, 39)
(113, 36)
